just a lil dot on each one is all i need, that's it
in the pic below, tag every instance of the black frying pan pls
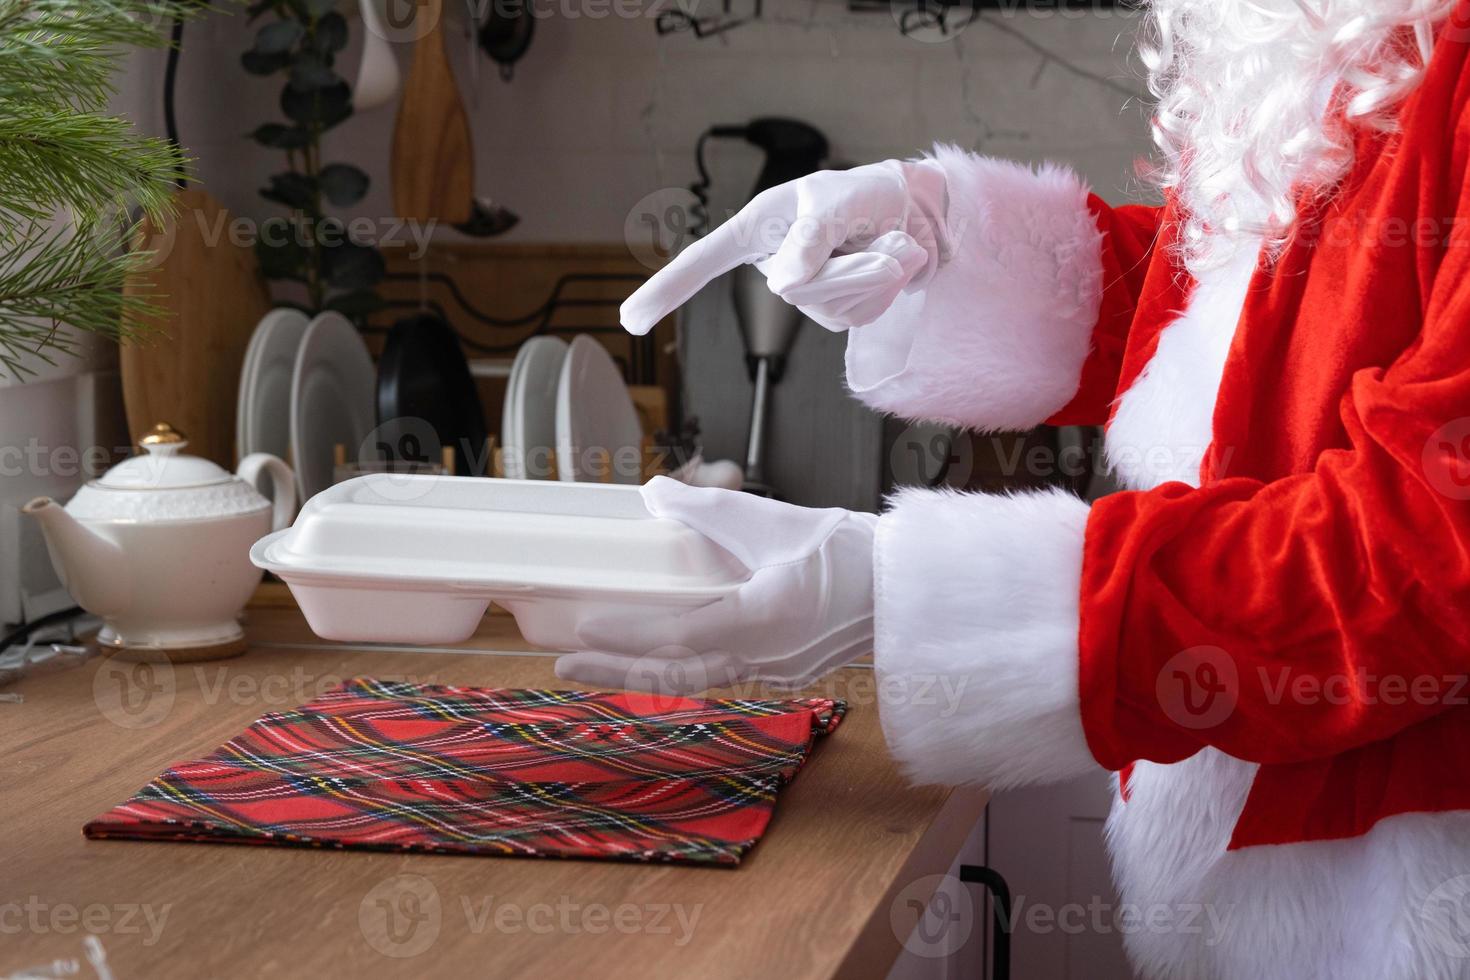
(423, 374)
(505, 35)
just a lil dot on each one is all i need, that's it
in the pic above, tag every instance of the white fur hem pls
(997, 338)
(976, 636)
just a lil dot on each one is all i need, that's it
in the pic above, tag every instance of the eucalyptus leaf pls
(331, 33)
(353, 266)
(281, 137)
(356, 304)
(323, 107)
(295, 190)
(264, 64)
(279, 254)
(343, 184)
(278, 37)
(310, 73)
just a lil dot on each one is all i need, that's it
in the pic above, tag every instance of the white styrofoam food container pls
(418, 559)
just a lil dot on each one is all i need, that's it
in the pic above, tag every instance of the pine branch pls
(64, 51)
(61, 154)
(66, 276)
(85, 162)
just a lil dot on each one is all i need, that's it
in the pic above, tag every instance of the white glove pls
(807, 607)
(839, 245)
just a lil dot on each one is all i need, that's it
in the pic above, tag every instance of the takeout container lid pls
(396, 558)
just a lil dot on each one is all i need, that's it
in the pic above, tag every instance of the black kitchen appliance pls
(768, 324)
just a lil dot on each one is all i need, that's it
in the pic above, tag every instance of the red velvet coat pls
(1319, 579)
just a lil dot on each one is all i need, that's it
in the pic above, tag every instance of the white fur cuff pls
(997, 338)
(976, 620)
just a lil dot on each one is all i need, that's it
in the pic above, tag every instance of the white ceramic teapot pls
(159, 546)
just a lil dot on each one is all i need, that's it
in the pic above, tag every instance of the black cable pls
(23, 632)
(170, 82)
(699, 213)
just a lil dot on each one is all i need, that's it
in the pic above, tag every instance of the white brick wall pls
(602, 111)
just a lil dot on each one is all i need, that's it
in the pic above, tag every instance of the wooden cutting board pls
(433, 162)
(187, 370)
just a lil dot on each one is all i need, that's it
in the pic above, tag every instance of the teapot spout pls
(90, 565)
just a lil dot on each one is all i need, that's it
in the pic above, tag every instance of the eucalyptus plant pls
(71, 174)
(308, 246)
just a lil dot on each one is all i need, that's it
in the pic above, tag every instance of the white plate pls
(595, 416)
(530, 409)
(333, 389)
(264, 421)
(418, 559)
(242, 394)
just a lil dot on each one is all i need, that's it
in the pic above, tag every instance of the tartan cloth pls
(460, 770)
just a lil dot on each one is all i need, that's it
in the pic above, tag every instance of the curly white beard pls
(1244, 120)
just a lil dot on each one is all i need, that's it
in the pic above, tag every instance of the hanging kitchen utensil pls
(505, 35)
(423, 375)
(378, 77)
(210, 296)
(488, 219)
(433, 161)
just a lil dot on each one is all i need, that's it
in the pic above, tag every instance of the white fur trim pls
(1388, 905)
(976, 633)
(1165, 420)
(998, 336)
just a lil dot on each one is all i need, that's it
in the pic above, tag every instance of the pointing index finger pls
(734, 243)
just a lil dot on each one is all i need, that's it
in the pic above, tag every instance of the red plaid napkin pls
(463, 770)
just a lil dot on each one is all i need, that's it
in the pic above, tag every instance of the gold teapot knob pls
(162, 434)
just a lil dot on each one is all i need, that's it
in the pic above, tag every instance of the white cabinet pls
(1048, 844)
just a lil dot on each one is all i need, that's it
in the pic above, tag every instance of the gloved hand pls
(839, 245)
(806, 609)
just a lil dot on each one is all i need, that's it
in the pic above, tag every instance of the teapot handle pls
(283, 485)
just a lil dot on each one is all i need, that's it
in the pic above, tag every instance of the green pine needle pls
(63, 157)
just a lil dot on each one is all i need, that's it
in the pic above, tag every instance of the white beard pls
(1248, 121)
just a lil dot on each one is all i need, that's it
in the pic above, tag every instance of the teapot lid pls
(163, 466)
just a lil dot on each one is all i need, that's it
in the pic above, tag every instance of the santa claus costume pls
(1293, 558)
(1267, 636)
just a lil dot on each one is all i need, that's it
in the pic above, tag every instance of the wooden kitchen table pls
(850, 850)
